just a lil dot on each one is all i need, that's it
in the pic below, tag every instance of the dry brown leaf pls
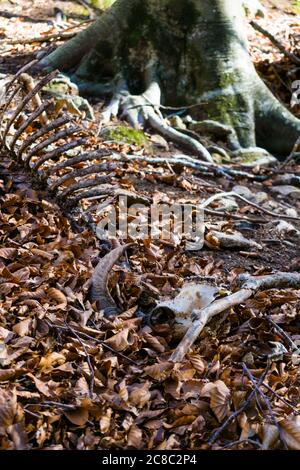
(8, 253)
(7, 287)
(290, 429)
(198, 363)
(123, 391)
(58, 297)
(119, 341)
(23, 328)
(159, 371)
(51, 360)
(270, 435)
(9, 409)
(140, 394)
(40, 385)
(182, 421)
(18, 435)
(105, 421)
(220, 400)
(78, 417)
(134, 438)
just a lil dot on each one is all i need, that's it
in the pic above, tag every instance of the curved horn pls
(99, 290)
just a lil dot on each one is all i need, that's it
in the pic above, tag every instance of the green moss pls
(102, 4)
(296, 7)
(127, 135)
(249, 156)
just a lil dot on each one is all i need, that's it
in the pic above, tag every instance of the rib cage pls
(51, 148)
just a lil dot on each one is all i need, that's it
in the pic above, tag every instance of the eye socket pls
(162, 315)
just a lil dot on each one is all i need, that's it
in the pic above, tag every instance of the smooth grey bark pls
(201, 56)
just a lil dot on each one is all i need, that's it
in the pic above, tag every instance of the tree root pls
(140, 110)
(249, 286)
(186, 161)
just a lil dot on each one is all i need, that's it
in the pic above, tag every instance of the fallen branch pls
(188, 162)
(96, 340)
(250, 285)
(250, 203)
(92, 382)
(284, 335)
(234, 415)
(267, 402)
(62, 35)
(276, 42)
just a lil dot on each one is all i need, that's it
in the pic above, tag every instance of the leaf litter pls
(73, 378)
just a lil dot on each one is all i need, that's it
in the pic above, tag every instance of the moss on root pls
(124, 134)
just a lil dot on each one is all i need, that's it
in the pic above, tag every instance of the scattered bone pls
(249, 286)
(287, 191)
(283, 228)
(178, 311)
(234, 241)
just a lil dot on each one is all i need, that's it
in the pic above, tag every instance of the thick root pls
(141, 110)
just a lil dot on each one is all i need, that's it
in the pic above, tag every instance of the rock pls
(287, 179)
(244, 192)
(228, 204)
(177, 122)
(231, 241)
(283, 228)
(209, 127)
(252, 157)
(159, 141)
(287, 191)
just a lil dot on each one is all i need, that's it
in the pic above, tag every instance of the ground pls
(71, 378)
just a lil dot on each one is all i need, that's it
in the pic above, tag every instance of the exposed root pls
(143, 109)
(113, 108)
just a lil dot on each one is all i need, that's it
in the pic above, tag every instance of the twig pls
(97, 340)
(243, 441)
(52, 403)
(92, 381)
(276, 42)
(234, 415)
(284, 335)
(188, 162)
(64, 34)
(267, 402)
(280, 398)
(250, 203)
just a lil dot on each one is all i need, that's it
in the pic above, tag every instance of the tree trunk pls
(198, 51)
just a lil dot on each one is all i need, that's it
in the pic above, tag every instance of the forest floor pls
(72, 379)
